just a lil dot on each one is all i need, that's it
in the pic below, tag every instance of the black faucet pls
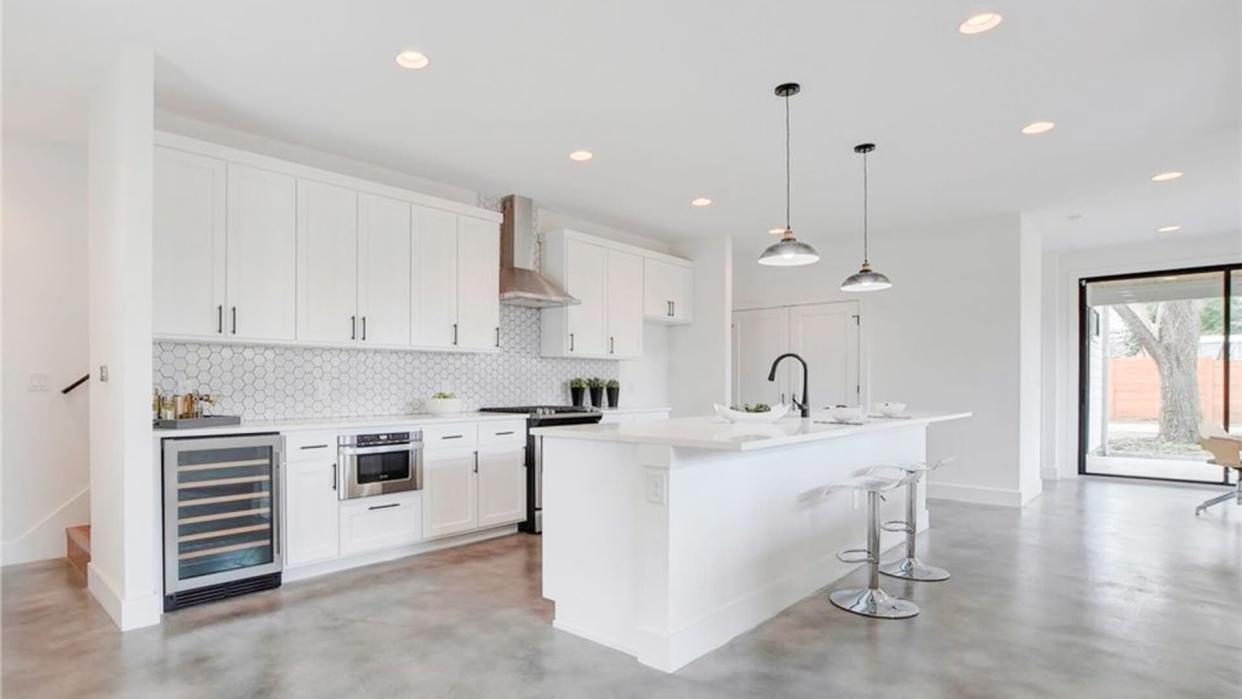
(805, 405)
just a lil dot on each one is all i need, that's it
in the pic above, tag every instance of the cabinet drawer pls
(310, 446)
(385, 521)
(502, 432)
(452, 436)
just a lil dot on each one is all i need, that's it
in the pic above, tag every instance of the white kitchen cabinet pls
(312, 527)
(189, 244)
(261, 266)
(433, 303)
(668, 291)
(384, 264)
(380, 522)
(625, 304)
(450, 492)
(501, 485)
(327, 253)
(586, 278)
(478, 283)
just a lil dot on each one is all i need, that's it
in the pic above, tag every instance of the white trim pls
(236, 155)
(570, 234)
(978, 495)
(228, 340)
(19, 550)
(346, 563)
(127, 614)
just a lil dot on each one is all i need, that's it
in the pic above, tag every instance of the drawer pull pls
(384, 507)
(314, 446)
(501, 434)
(453, 436)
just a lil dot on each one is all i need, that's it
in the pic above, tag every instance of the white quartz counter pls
(335, 423)
(718, 434)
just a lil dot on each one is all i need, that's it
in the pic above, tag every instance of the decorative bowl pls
(892, 409)
(846, 414)
(442, 406)
(777, 412)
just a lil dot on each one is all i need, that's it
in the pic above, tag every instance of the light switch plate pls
(657, 490)
(38, 382)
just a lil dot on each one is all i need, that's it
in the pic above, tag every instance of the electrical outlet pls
(656, 491)
(38, 382)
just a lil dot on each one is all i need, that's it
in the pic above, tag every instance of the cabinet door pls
(381, 522)
(759, 337)
(433, 302)
(450, 492)
(682, 283)
(478, 283)
(327, 263)
(262, 254)
(502, 486)
(657, 289)
(826, 336)
(312, 527)
(383, 270)
(188, 244)
(625, 305)
(586, 269)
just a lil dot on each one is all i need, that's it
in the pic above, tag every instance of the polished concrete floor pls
(1097, 589)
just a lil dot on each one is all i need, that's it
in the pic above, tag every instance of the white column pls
(124, 571)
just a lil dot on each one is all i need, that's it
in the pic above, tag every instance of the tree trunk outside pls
(1173, 343)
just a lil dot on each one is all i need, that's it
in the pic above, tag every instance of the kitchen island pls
(665, 540)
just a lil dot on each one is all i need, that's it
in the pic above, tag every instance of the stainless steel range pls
(542, 416)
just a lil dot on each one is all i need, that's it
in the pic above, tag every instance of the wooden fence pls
(1134, 389)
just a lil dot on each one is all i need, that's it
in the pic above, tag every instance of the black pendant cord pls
(866, 261)
(788, 227)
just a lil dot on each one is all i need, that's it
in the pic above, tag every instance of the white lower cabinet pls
(450, 492)
(311, 524)
(380, 522)
(502, 486)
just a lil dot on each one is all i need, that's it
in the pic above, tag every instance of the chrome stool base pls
(875, 603)
(914, 569)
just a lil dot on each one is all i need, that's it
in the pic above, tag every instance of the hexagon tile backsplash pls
(276, 383)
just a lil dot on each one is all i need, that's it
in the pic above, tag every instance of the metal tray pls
(191, 422)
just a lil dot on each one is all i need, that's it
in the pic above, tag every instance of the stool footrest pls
(854, 556)
(896, 525)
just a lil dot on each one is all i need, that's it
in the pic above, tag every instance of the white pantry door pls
(262, 254)
(759, 337)
(826, 336)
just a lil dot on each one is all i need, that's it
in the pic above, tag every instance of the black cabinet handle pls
(364, 328)
(612, 344)
(672, 308)
(384, 507)
(453, 436)
(220, 319)
(234, 312)
(501, 434)
(669, 313)
(353, 327)
(314, 446)
(497, 336)
(334, 476)
(454, 333)
(571, 342)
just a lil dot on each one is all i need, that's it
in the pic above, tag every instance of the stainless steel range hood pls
(521, 284)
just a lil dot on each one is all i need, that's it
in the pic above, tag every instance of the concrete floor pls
(1097, 589)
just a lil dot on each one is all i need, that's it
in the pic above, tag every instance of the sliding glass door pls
(1158, 354)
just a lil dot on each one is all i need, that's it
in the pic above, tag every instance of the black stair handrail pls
(75, 384)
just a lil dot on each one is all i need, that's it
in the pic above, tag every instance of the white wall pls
(1061, 328)
(698, 364)
(947, 336)
(45, 457)
(124, 573)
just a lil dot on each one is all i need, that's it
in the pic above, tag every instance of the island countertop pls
(716, 433)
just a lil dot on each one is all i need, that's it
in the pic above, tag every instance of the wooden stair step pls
(78, 547)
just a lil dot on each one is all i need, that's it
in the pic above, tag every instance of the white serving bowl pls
(442, 406)
(842, 413)
(777, 412)
(892, 409)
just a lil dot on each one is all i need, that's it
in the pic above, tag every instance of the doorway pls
(1159, 367)
(824, 334)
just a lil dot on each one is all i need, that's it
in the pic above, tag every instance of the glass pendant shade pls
(866, 280)
(789, 252)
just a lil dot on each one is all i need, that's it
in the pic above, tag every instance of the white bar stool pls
(872, 601)
(910, 567)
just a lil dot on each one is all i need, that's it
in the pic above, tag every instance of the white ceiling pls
(675, 99)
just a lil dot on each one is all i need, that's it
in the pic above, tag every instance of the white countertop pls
(718, 434)
(349, 423)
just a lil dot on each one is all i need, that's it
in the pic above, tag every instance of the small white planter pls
(442, 406)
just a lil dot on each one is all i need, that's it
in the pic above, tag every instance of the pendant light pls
(789, 252)
(866, 279)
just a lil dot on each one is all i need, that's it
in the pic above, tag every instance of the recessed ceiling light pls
(1038, 127)
(776, 231)
(581, 155)
(412, 60)
(1168, 229)
(1166, 176)
(980, 23)
(700, 201)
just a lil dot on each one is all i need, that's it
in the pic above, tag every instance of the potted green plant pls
(577, 391)
(614, 393)
(596, 384)
(442, 403)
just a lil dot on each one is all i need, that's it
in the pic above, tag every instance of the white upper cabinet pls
(625, 304)
(189, 244)
(383, 270)
(668, 291)
(433, 302)
(262, 243)
(612, 284)
(327, 253)
(478, 283)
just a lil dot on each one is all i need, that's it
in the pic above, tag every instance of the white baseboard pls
(127, 614)
(46, 539)
(976, 494)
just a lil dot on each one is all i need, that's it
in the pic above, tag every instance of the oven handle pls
(385, 449)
